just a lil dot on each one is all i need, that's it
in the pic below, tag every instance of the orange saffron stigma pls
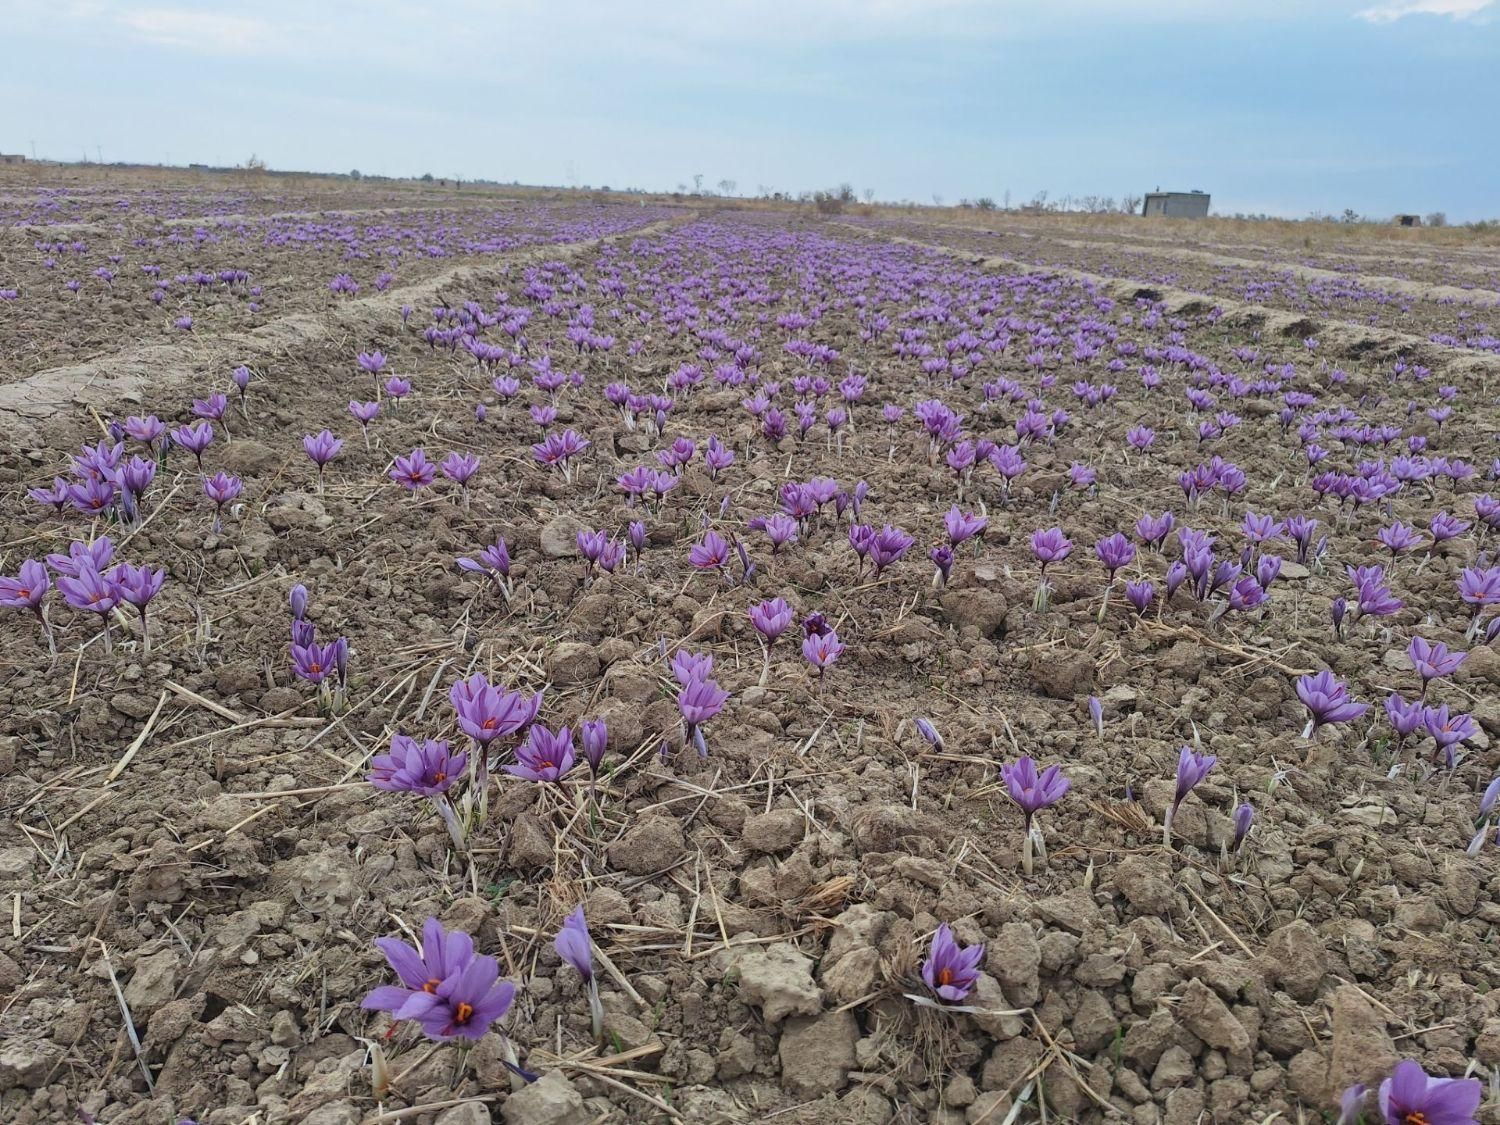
(945, 976)
(465, 1010)
(431, 986)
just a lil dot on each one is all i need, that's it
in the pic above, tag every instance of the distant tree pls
(1436, 219)
(1350, 215)
(1006, 198)
(255, 164)
(1130, 204)
(354, 174)
(427, 177)
(985, 203)
(869, 194)
(697, 183)
(1039, 200)
(726, 187)
(682, 189)
(937, 200)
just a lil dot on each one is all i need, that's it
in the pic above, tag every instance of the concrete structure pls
(12, 158)
(1408, 220)
(1176, 204)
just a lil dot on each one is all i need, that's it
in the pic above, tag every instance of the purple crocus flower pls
(427, 768)
(1246, 594)
(194, 438)
(465, 1004)
(1411, 1097)
(93, 495)
(1140, 595)
(1444, 526)
(962, 526)
(314, 662)
(1480, 586)
(594, 735)
(822, 651)
(1433, 660)
(486, 713)
(297, 601)
(1327, 701)
(711, 554)
(928, 732)
(56, 497)
(887, 546)
(493, 560)
(1033, 791)
(771, 618)
(27, 591)
(1192, 768)
(137, 585)
(364, 413)
(444, 954)
(212, 408)
(89, 591)
(222, 489)
(413, 471)
(1406, 718)
(1050, 546)
(1115, 552)
(942, 559)
(95, 555)
(1448, 730)
(699, 701)
(1244, 817)
(397, 388)
(1152, 530)
(574, 945)
(689, 666)
(781, 529)
(146, 430)
(1351, 1104)
(321, 448)
(459, 468)
(951, 971)
(136, 475)
(544, 755)
(1397, 538)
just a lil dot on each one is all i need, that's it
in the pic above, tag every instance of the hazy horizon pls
(1278, 107)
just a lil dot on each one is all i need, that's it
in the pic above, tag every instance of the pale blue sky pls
(1286, 106)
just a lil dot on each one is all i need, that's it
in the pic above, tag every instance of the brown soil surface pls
(189, 838)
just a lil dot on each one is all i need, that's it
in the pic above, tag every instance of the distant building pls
(1177, 204)
(1408, 220)
(12, 158)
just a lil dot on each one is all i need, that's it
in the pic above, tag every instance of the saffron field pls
(810, 601)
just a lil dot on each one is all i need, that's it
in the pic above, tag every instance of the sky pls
(1285, 107)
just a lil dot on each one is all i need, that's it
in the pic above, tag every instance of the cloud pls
(1393, 10)
(220, 33)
